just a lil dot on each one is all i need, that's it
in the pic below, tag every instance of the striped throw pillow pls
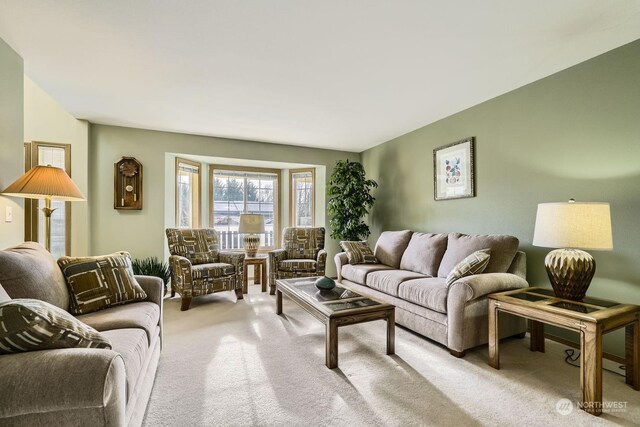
(358, 252)
(31, 324)
(96, 283)
(473, 264)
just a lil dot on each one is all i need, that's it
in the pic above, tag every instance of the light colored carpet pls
(228, 363)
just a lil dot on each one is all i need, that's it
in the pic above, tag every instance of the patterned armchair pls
(199, 268)
(302, 255)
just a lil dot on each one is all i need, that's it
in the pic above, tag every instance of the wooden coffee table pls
(338, 307)
(591, 317)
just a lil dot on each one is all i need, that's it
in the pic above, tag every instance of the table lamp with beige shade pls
(572, 227)
(251, 225)
(48, 183)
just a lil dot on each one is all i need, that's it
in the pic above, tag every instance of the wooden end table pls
(337, 307)
(592, 318)
(259, 263)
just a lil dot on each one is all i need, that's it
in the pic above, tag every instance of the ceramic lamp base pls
(251, 244)
(570, 272)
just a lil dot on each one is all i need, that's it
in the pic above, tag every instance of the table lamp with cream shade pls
(251, 225)
(572, 227)
(48, 183)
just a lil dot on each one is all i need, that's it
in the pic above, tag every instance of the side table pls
(591, 317)
(259, 263)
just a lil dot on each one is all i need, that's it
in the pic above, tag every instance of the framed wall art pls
(453, 174)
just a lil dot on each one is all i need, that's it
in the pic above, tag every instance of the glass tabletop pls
(545, 296)
(336, 299)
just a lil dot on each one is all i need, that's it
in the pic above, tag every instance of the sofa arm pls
(237, 260)
(153, 287)
(479, 285)
(59, 387)
(322, 262)
(275, 257)
(340, 260)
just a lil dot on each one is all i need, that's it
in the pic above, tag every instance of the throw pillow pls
(31, 324)
(358, 253)
(473, 264)
(96, 283)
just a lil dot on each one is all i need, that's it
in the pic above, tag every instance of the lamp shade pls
(573, 225)
(251, 224)
(45, 181)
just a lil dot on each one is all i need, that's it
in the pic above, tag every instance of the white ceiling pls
(327, 73)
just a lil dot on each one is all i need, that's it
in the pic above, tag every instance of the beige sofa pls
(79, 387)
(411, 274)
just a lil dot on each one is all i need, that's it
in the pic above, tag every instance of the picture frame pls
(453, 170)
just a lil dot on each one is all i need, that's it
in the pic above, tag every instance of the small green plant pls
(349, 201)
(152, 266)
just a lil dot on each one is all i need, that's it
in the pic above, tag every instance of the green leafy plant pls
(152, 266)
(349, 201)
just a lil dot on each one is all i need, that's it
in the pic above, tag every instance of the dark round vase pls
(325, 283)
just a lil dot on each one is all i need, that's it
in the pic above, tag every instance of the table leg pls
(391, 332)
(256, 274)
(494, 336)
(278, 302)
(537, 336)
(591, 368)
(632, 347)
(263, 271)
(245, 279)
(331, 341)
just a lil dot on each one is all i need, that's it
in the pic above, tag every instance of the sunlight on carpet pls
(236, 363)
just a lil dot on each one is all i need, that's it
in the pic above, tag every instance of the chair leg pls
(173, 293)
(239, 294)
(186, 303)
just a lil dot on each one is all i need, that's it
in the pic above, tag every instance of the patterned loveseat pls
(199, 268)
(302, 255)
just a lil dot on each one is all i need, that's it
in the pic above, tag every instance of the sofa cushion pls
(96, 283)
(390, 247)
(503, 250)
(388, 281)
(212, 270)
(358, 252)
(29, 271)
(305, 265)
(132, 345)
(4, 296)
(31, 325)
(424, 253)
(475, 263)
(429, 292)
(358, 273)
(143, 315)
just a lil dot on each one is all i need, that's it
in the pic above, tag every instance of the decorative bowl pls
(325, 283)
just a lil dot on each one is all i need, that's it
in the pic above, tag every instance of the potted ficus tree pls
(349, 201)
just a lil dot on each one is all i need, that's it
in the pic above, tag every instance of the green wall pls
(11, 142)
(142, 232)
(573, 134)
